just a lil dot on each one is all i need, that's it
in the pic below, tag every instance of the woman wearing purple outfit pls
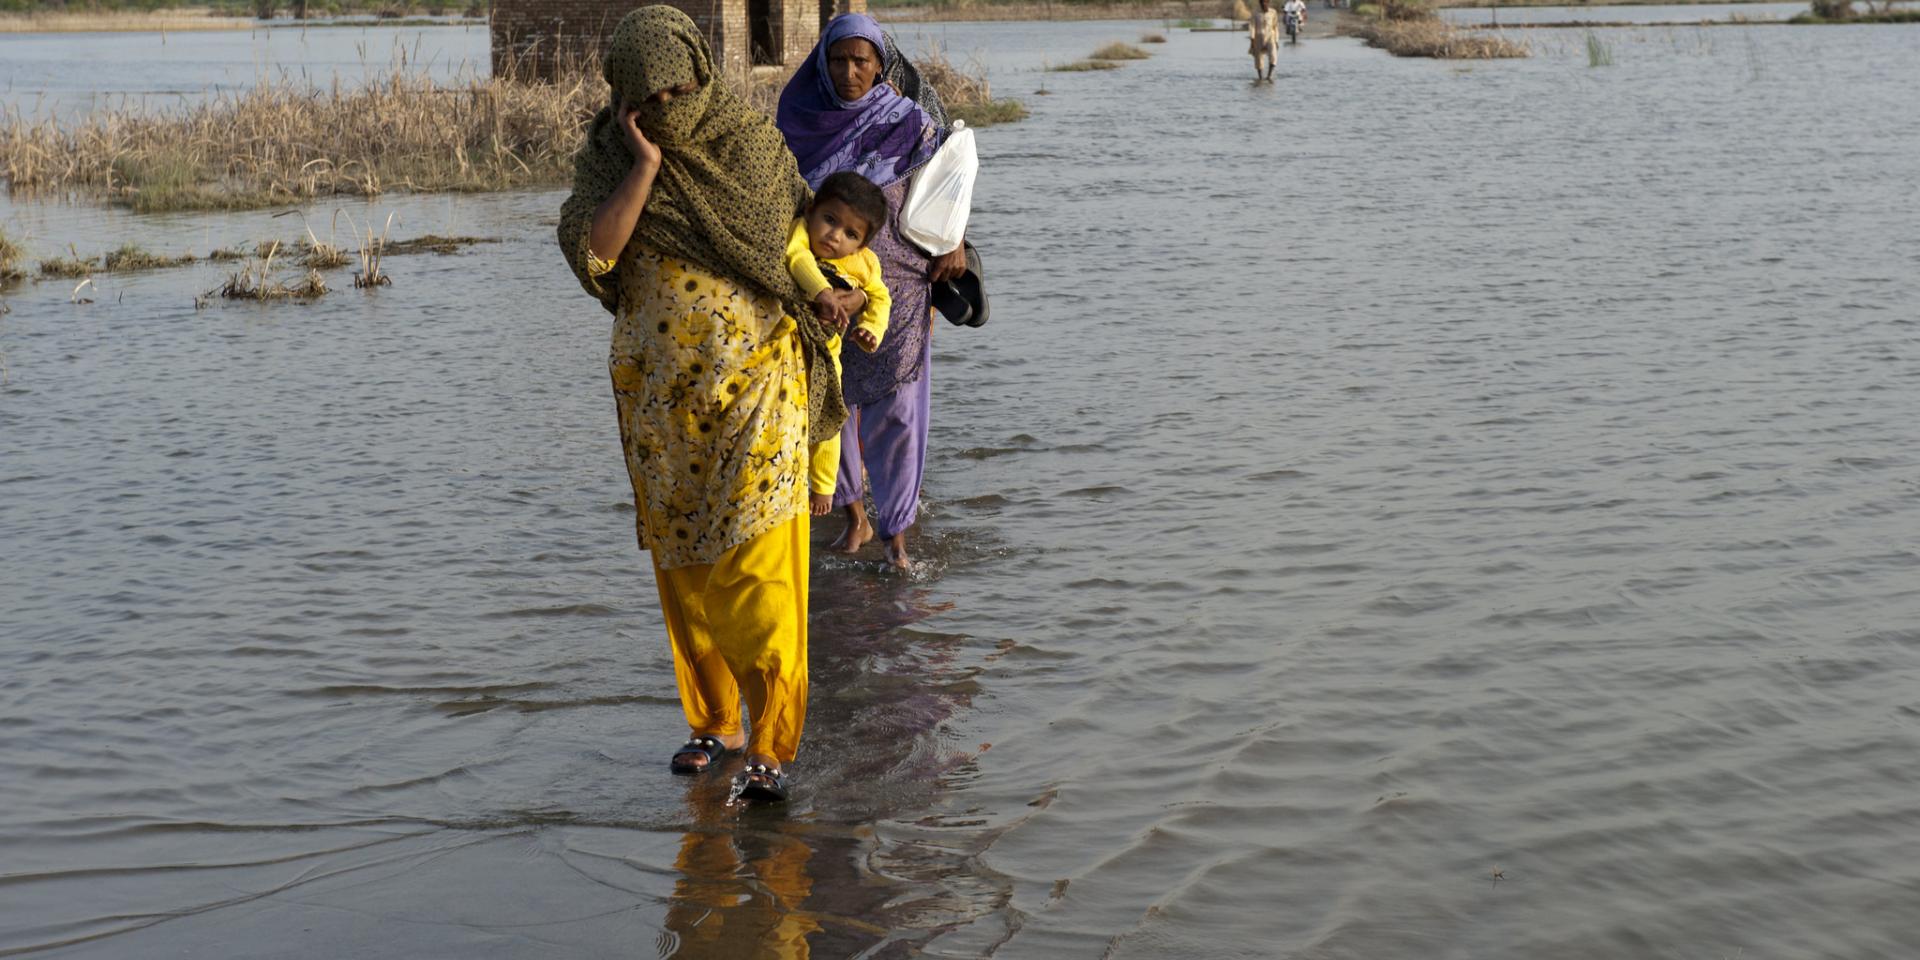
(857, 104)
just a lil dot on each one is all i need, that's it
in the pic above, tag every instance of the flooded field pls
(1640, 13)
(1410, 510)
(59, 74)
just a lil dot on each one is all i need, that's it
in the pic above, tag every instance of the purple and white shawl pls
(883, 136)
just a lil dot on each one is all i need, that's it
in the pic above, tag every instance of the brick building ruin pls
(533, 34)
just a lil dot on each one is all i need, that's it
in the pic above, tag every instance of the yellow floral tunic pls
(712, 396)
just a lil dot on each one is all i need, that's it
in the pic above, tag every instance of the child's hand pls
(830, 310)
(864, 339)
(848, 302)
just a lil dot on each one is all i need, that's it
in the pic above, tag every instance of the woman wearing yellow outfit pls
(682, 197)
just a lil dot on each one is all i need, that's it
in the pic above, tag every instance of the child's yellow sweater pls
(863, 271)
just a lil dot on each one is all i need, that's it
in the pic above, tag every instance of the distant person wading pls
(858, 105)
(678, 222)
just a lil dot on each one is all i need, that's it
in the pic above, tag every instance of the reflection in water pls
(746, 884)
(740, 896)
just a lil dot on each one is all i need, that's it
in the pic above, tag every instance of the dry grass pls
(1119, 51)
(284, 143)
(964, 90)
(10, 256)
(68, 267)
(280, 143)
(1153, 38)
(1408, 28)
(1078, 66)
(370, 276)
(431, 243)
(119, 21)
(255, 281)
(131, 256)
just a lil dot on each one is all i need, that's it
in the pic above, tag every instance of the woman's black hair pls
(860, 195)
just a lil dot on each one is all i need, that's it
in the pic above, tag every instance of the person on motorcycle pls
(1296, 16)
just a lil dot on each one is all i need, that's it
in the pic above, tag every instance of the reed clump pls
(1079, 66)
(130, 256)
(1119, 51)
(68, 267)
(323, 256)
(1408, 28)
(432, 243)
(10, 257)
(370, 276)
(255, 281)
(1599, 53)
(1153, 38)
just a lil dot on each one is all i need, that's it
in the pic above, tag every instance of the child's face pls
(834, 230)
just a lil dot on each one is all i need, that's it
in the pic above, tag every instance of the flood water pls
(1410, 510)
(1637, 13)
(59, 75)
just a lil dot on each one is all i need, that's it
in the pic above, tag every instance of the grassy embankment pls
(1842, 11)
(1410, 28)
(283, 143)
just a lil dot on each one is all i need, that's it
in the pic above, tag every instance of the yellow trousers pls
(823, 458)
(739, 625)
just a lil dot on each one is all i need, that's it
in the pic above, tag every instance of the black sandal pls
(771, 787)
(709, 747)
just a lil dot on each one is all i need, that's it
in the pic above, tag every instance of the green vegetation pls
(131, 256)
(1599, 54)
(432, 243)
(68, 267)
(1079, 66)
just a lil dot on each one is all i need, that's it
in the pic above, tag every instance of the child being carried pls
(828, 256)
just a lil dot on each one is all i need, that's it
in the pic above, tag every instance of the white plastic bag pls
(934, 215)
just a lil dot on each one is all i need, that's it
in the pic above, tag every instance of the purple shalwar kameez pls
(889, 392)
(885, 136)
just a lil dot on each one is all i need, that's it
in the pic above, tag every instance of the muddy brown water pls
(1409, 510)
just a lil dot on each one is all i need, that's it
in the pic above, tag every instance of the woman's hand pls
(948, 265)
(644, 152)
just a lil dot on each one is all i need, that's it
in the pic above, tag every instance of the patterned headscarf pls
(884, 136)
(726, 193)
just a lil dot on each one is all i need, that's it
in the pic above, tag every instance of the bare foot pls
(822, 503)
(858, 531)
(897, 551)
(696, 760)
